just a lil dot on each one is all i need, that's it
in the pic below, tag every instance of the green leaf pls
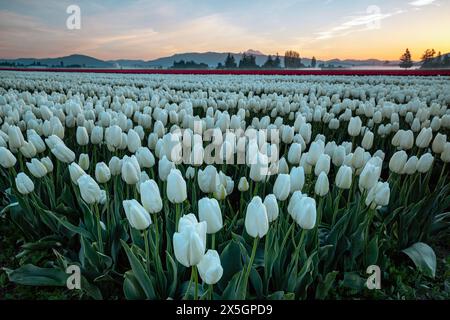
(324, 286)
(231, 291)
(131, 287)
(138, 270)
(423, 257)
(280, 295)
(35, 276)
(173, 273)
(79, 230)
(372, 251)
(231, 262)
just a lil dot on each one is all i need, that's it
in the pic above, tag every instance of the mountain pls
(77, 60)
(210, 58)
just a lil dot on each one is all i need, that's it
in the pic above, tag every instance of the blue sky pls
(139, 29)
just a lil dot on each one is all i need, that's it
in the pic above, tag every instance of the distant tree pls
(269, 63)
(61, 64)
(292, 59)
(188, 65)
(248, 62)
(219, 65)
(277, 62)
(230, 63)
(313, 62)
(428, 58)
(405, 60)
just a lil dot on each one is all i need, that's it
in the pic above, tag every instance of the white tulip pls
(398, 161)
(164, 168)
(425, 163)
(369, 176)
(210, 268)
(354, 126)
(271, 204)
(75, 172)
(47, 162)
(256, 219)
(208, 179)
(115, 166)
(322, 165)
(82, 136)
(344, 177)
(243, 184)
(24, 184)
(189, 243)
(7, 159)
(137, 216)
(133, 141)
(209, 211)
(176, 187)
(102, 172)
(445, 155)
(84, 161)
(297, 179)
(304, 212)
(424, 138)
(295, 153)
(130, 170)
(282, 187)
(438, 143)
(89, 189)
(36, 168)
(322, 185)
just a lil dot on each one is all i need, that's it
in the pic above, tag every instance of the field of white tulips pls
(223, 186)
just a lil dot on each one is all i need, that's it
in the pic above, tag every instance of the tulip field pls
(217, 187)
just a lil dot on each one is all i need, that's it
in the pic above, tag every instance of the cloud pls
(368, 21)
(421, 3)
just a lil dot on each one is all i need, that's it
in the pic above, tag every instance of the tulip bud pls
(83, 161)
(189, 243)
(357, 160)
(282, 187)
(425, 162)
(304, 212)
(190, 173)
(271, 204)
(367, 141)
(133, 141)
(63, 153)
(260, 168)
(28, 150)
(89, 189)
(24, 184)
(145, 157)
(424, 138)
(75, 172)
(36, 140)
(338, 156)
(15, 138)
(209, 211)
(220, 193)
(115, 166)
(297, 179)
(322, 165)
(176, 187)
(344, 177)
(97, 135)
(36, 168)
(445, 155)
(315, 150)
(294, 154)
(243, 184)
(369, 176)
(130, 170)
(7, 159)
(209, 267)
(137, 216)
(164, 168)
(208, 179)
(322, 185)
(378, 195)
(410, 165)
(82, 136)
(47, 163)
(256, 219)
(398, 161)
(150, 196)
(354, 126)
(113, 136)
(102, 173)
(438, 143)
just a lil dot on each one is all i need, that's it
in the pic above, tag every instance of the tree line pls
(292, 60)
(429, 60)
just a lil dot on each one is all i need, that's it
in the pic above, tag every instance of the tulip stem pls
(336, 206)
(249, 267)
(177, 215)
(99, 229)
(194, 271)
(213, 241)
(211, 290)
(147, 250)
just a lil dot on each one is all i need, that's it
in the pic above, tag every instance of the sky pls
(138, 29)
